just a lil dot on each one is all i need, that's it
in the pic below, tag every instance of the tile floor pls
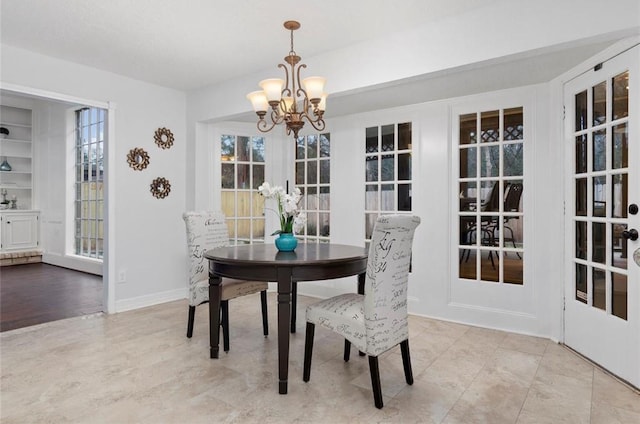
(138, 367)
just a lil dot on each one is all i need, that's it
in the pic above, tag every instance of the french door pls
(602, 284)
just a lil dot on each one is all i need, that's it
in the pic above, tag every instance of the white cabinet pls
(19, 230)
(16, 150)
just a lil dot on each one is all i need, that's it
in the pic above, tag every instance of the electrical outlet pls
(122, 276)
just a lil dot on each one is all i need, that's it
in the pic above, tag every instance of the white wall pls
(149, 233)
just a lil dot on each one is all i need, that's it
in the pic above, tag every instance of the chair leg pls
(347, 350)
(265, 319)
(192, 317)
(308, 350)
(406, 361)
(375, 381)
(224, 307)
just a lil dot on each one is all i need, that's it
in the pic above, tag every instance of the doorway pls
(57, 221)
(602, 291)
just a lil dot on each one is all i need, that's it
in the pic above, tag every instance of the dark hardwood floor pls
(37, 293)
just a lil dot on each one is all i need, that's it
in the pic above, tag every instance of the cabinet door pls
(19, 231)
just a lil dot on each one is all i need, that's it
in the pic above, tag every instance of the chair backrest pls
(512, 200)
(385, 303)
(205, 230)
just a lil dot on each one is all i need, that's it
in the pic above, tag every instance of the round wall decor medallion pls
(164, 138)
(138, 159)
(160, 188)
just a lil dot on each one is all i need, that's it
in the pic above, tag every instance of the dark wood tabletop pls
(263, 262)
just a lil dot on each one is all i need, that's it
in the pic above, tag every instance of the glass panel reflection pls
(227, 147)
(599, 196)
(388, 132)
(404, 197)
(467, 230)
(244, 149)
(468, 193)
(312, 172)
(371, 197)
(513, 268)
(581, 111)
(312, 224)
(257, 176)
(323, 224)
(231, 227)
(404, 136)
(404, 166)
(513, 124)
(620, 104)
(581, 240)
(490, 126)
(513, 159)
(228, 203)
(325, 169)
(371, 168)
(599, 150)
(387, 197)
(243, 206)
(489, 266)
(299, 173)
(300, 148)
(598, 242)
(513, 234)
(387, 168)
(599, 288)
(490, 161)
(258, 229)
(581, 197)
(468, 163)
(243, 176)
(257, 144)
(324, 199)
(618, 246)
(372, 140)
(468, 128)
(370, 220)
(581, 154)
(619, 295)
(620, 147)
(581, 283)
(228, 175)
(619, 195)
(312, 146)
(312, 198)
(467, 264)
(599, 99)
(325, 145)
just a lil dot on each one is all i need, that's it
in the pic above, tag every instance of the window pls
(313, 179)
(89, 182)
(387, 172)
(490, 187)
(242, 172)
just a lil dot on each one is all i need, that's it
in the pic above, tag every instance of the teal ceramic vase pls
(286, 242)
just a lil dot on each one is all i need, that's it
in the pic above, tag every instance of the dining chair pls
(208, 230)
(376, 321)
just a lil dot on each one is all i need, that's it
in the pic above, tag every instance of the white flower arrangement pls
(291, 219)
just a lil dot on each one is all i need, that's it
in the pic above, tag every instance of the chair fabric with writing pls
(208, 230)
(376, 321)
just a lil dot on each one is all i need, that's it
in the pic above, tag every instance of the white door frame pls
(108, 261)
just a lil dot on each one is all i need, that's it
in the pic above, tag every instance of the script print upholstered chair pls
(208, 230)
(376, 321)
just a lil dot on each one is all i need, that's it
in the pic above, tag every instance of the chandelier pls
(290, 101)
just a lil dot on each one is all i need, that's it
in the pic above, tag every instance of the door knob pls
(631, 234)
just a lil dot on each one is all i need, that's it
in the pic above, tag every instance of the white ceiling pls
(187, 44)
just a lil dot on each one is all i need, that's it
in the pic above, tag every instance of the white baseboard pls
(150, 300)
(77, 263)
